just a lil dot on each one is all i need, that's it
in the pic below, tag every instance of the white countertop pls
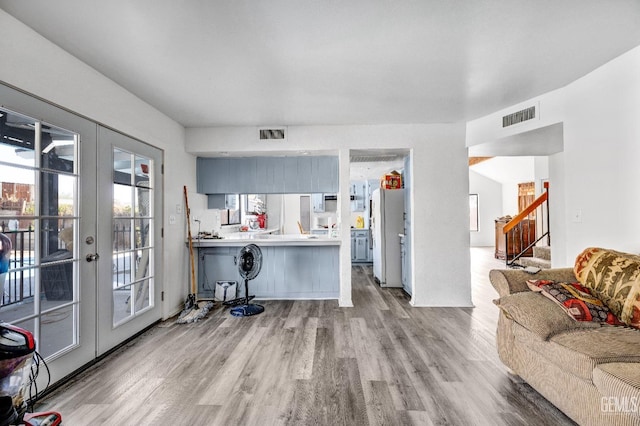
(266, 239)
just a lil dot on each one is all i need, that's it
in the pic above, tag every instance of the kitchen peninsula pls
(294, 266)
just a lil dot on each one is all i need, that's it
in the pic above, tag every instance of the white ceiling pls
(305, 62)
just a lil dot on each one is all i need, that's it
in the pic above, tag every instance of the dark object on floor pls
(18, 362)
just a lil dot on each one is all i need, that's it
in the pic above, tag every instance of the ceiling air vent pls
(519, 117)
(276, 133)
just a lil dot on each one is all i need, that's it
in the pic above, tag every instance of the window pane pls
(18, 291)
(142, 264)
(18, 192)
(124, 267)
(18, 139)
(143, 236)
(121, 308)
(58, 195)
(57, 280)
(58, 149)
(142, 292)
(57, 331)
(122, 201)
(122, 234)
(143, 172)
(143, 202)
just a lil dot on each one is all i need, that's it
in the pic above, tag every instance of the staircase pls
(541, 258)
(523, 233)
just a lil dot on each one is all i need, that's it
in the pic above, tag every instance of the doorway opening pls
(380, 216)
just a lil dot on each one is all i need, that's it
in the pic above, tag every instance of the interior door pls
(47, 225)
(130, 250)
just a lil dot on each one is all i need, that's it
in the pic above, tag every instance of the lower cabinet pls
(288, 272)
(360, 251)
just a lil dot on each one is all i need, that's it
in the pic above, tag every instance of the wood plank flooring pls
(381, 362)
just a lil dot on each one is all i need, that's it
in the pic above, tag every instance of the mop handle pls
(193, 268)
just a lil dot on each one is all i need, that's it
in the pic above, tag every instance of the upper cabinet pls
(267, 175)
(359, 195)
(212, 175)
(324, 174)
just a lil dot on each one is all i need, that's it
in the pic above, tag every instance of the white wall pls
(489, 208)
(557, 211)
(33, 64)
(601, 152)
(594, 183)
(441, 265)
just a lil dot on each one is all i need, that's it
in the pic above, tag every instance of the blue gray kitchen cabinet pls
(267, 175)
(264, 176)
(242, 175)
(291, 183)
(212, 175)
(317, 200)
(362, 248)
(360, 194)
(299, 273)
(277, 175)
(216, 264)
(360, 245)
(324, 172)
(305, 174)
(353, 246)
(288, 272)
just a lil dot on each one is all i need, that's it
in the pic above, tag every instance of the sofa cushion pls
(613, 277)
(619, 384)
(576, 301)
(580, 351)
(538, 314)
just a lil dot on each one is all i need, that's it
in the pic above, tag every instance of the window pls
(473, 213)
(231, 214)
(229, 217)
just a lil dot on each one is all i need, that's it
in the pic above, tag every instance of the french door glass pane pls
(132, 242)
(57, 330)
(38, 216)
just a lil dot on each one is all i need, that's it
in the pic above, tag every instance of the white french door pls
(47, 214)
(67, 272)
(130, 194)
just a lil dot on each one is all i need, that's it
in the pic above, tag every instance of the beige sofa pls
(588, 369)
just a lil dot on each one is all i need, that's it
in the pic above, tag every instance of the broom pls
(193, 310)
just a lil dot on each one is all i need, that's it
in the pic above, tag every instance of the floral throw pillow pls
(576, 300)
(614, 277)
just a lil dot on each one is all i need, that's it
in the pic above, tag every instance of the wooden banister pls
(524, 213)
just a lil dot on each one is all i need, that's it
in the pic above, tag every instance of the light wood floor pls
(313, 363)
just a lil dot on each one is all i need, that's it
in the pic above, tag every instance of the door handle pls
(92, 256)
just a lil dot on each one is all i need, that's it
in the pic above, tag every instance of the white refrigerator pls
(387, 223)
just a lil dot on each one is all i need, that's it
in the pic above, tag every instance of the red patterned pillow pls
(576, 300)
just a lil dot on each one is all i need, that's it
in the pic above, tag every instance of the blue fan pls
(249, 262)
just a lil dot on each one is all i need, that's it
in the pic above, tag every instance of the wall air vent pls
(519, 117)
(274, 133)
